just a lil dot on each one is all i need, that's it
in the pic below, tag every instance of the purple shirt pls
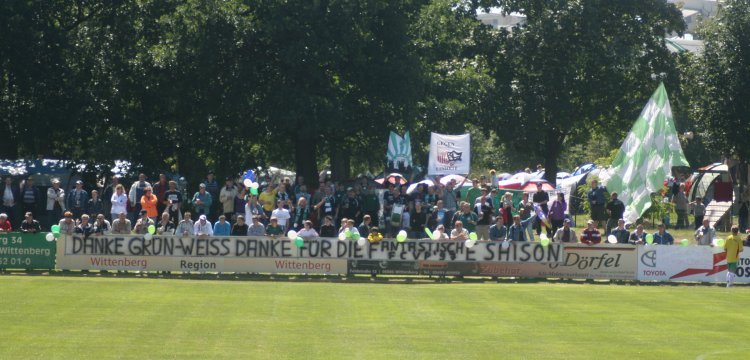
(557, 210)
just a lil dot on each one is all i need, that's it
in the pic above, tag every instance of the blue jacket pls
(222, 230)
(518, 232)
(497, 232)
(82, 202)
(665, 239)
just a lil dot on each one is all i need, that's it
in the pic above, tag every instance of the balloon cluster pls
(297, 240)
(249, 181)
(54, 234)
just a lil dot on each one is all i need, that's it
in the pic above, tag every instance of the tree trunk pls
(305, 159)
(552, 147)
(340, 163)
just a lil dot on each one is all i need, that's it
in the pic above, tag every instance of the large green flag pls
(646, 157)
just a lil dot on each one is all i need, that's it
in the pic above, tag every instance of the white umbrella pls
(458, 178)
(413, 187)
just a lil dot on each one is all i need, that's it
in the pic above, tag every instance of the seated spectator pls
(374, 236)
(497, 230)
(67, 225)
(274, 229)
(5, 225)
(638, 237)
(517, 231)
(222, 227)
(142, 224)
(256, 228)
(459, 233)
(591, 235)
(443, 234)
(662, 237)
(101, 225)
(565, 234)
(185, 227)
(239, 228)
(307, 231)
(327, 229)
(84, 228)
(121, 225)
(620, 232)
(202, 227)
(705, 234)
(343, 225)
(166, 226)
(350, 227)
(29, 225)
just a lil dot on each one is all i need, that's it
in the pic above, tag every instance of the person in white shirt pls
(119, 202)
(705, 234)
(282, 214)
(185, 227)
(458, 232)
(202, 227)
(307, 232)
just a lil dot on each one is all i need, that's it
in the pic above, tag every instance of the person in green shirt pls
(273, 229)
(371, 205)
(467, 217)
(202, 201)
(474, 192)
(733, 247)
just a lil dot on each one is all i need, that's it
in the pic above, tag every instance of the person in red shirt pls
(5, 223)
(591, 235)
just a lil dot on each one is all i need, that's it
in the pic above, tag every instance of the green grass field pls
(72, 317)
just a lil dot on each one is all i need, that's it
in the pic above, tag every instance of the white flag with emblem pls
(449, 154)
(646, 157)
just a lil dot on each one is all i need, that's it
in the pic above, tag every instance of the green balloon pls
(55, 229)
(151, 229)
(473, 236)
(685, 242)
(348, 233)
(650, 239)
(720, 242)
(254, 191)
(429, 233)
(401, 237)
(355, 236)
(545, 242)
(299, 241)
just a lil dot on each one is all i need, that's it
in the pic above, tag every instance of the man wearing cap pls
(77, 200)
(565, 234)
(141, 226)
(55, 202)
(202, 201)
(203, 227)
(615, 209)
(591, 235)
(226, 197)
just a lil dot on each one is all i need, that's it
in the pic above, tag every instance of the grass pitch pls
(53, 317)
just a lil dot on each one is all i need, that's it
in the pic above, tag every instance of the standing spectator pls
(202, 201)
(301, 214)
(615, 209)
(252, 208)
(508, 208)
(135, 194)
(350, 206)
(55, 202)
(565, 234)
(307, 232)
(483, 208)
(591, 235)
(327, 205)
(459, 233)
(557, 212)
(149, 202)
(222, 227)
(109, 190)
(160, 191)
(101, 225)
(638, 237)
(542, 198)
(95, 206)
(430, 198)
(705, 234)
(66, 224)
(298, 187)
(166, 226)
(119, 202)
(525, 211)
(371, 205)
(467, 217)
(240, 200)
(84, 228)
(662, 237)
(256, 228)
(282, 195)
(212, 187)
(121, 225)
(439, 216)
(11, 197)
(597, 199)
(5, 225)
(517, 231)
(498, 230)
(699, 211)
(282, 215)
(202, 227)
(78, 198)
(327, 229)
(31, 199)
(680, 202)
(733, 247)
(364, 228)
(173, 201)
(267, 199)
(621, 233)
(185, 227)
(474, 192)
(448, 196)
(302, 193)
(417, 221)
(29, 225)
(394, 204)
(240, 228)
(226, 197)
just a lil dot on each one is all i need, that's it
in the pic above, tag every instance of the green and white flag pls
(646, 157)
(399, 152)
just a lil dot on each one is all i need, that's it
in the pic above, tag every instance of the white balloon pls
(612, 239)
(543, 236)
(402, 232)
(148, 236)
(50, 237)
(247, 182)
(437, 235)
(469, 243)
(291, 235)
(505, 244)
(342, 236)
(361, 241)
(254, 185)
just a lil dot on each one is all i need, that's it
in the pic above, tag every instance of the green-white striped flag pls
(399, 151)
(646, 157)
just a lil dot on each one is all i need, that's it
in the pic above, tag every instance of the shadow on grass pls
(352, 279)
